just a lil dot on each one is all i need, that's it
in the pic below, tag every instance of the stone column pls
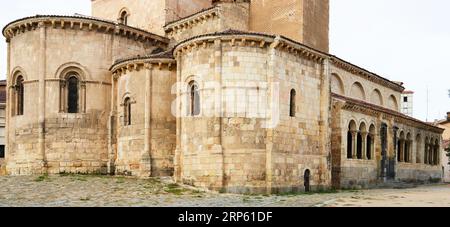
(62, 96)
(325, 121)
(364, 145)
(83, 97)
(217, 129)
(9, 92)
(354, 144)
(269, 131)
(178, 173)
(146, 161)
(41, 96)
(112, 126)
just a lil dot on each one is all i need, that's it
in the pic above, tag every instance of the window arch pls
(370, 143)
(292, 105)
(419, 149)
(360, 140)
(408, 144)
(401, 147)
(72, 88)
(72, 94)
(19, 93)
(124, 16)
(357, 91)
(376, 97)
(426, 151)
(194, 99)
(436, 153)
(393, 104)
(127, 111)
(337, 86)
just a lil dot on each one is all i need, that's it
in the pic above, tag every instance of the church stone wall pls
(223, 17)
(131, 153)
(63, 142)
(224, 152)
(351, 173)
(246, 156)
(343, 83)
(299, 142)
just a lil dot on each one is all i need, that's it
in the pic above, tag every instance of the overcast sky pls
(402, 40)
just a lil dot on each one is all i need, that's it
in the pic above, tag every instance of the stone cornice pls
(260, 40)
(191, 20)
(374, 110)
(82, 23)
(137, 64)
(365, 74)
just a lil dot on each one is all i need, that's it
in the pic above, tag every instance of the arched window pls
(292, 106)
(418, 149)
(194, 99)
(359, 146)
(127, 111)
(436, 153)
(360, 139)
(370, 142)
(19, 93)
(124, 17)
(401, 148)
(408, 144)
(349, 144)
(72, 94)
(351, 134)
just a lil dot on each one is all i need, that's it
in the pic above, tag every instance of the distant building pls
(445, 124)
(407, 103)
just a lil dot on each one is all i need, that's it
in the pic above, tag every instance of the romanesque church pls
(240, 96)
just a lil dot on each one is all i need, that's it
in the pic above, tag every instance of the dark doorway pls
(2, 151)
(307, 180)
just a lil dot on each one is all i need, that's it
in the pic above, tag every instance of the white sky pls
(402, 40)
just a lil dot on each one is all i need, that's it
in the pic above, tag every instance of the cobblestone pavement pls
(92, 191)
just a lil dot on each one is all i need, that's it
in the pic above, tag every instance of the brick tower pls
(305, 21)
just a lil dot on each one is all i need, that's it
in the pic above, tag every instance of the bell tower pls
(149, 15)
(305, 21)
